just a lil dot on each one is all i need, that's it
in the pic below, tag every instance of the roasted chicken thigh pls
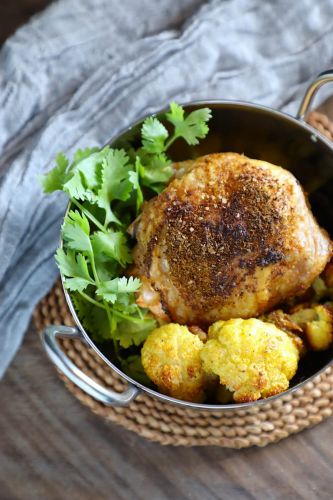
(229, 237)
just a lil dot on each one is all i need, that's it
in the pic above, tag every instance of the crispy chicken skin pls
(229, 237)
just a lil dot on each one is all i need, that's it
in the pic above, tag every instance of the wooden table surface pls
(52, 447)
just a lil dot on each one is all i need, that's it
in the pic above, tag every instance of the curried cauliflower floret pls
(284, 322)
(253, 359)
(320, 290)
(317, 325)
(171, 359)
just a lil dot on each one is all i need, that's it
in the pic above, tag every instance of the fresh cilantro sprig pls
(106, 188)
(155, 168)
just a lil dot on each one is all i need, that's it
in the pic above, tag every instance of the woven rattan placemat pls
(168, 424)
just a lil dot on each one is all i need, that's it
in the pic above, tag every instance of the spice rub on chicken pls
(228, 237)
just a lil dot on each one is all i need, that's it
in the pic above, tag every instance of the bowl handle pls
(322, 78)
(77, 376)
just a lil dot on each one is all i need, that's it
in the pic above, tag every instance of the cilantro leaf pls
(75, 268)
(106, 267)
(94, 319)
(134, 331)
(75, 231)
(113, 290)
(84, 175)
(132, 366)
(115, 184)
(55, 179)
(76, 284)
(191, 128)
(153, 134)
(112, 244)
(156, 172)
(81, 154)
(134, 178)
(127, 329)
(176, 114)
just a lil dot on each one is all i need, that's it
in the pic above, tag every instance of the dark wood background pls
(51, 447)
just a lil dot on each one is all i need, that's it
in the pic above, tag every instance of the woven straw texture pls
(171, 425)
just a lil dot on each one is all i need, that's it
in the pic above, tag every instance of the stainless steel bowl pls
(258, 132)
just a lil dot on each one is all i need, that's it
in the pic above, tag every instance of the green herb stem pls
(170, 141)
(90, 299)
(88, 215)
(106, 305)
(125, 316)
(108, 313)
(93, 267)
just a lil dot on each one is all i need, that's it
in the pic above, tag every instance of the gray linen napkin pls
(80, 72)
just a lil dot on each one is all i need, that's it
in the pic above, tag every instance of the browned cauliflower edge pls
(284, 322)
(171, 359)
(317, 325)
(253, 359)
